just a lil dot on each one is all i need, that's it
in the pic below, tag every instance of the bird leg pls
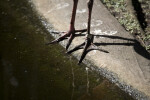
(88, 44)
(71, 33)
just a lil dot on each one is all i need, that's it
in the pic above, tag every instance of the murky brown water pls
(30, 70)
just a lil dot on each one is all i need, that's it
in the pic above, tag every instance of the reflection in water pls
(33, 71)
(87, 71)
(73, 85)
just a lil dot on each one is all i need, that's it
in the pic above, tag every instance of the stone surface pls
(126, 59)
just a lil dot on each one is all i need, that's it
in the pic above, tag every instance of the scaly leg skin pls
(88, 44)
(71, 33)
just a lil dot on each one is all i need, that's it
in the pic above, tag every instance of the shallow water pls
(31, 70)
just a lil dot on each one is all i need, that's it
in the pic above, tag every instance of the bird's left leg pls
(71, 34)
(88, 44)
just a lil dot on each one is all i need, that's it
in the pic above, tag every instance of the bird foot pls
(70, 34)
(87, 46)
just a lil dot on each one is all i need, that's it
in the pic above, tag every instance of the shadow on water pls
(32, 71)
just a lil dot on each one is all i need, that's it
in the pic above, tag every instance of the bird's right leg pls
(71, 33)
(88, 44)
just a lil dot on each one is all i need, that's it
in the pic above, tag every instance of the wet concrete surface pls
(31, 70)
(127, 64)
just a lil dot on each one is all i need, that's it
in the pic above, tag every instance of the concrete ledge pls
(128, 63)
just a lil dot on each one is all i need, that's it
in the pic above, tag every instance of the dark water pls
(30, 70)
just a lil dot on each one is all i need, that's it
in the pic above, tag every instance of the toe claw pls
(82, 56)
(52, 42)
